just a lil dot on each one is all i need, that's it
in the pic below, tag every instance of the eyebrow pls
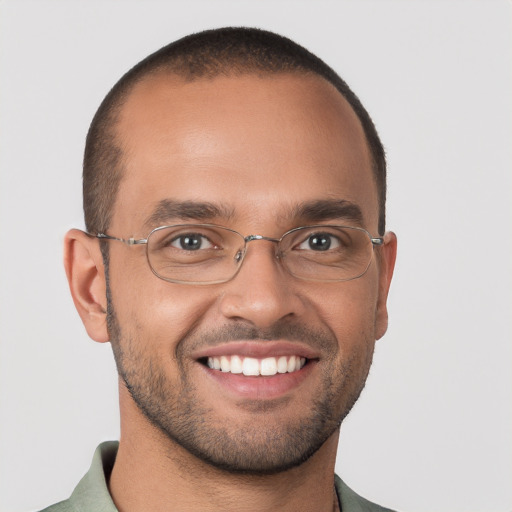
(329, 209)
(170, 210)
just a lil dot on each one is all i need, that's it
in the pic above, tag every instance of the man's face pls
(258, 149)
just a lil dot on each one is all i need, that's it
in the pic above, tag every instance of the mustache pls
(319, 339)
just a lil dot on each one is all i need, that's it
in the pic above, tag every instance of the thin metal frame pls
(376, 242)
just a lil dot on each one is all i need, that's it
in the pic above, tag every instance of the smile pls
(250, 366)
(254, 370)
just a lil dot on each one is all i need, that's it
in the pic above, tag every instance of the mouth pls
(255, 367)
(257, 370)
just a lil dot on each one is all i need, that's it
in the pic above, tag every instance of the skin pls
(258, 146)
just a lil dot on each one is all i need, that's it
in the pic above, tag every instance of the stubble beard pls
(259, 447)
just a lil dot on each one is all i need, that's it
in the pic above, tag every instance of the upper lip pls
(257, 349)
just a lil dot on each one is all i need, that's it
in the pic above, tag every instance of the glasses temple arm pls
(129, 241)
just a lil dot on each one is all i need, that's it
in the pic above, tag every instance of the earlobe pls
(86, 278)
(386, 261)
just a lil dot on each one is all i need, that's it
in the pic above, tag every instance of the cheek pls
(349, 311)
(154, 311)
(349, 308)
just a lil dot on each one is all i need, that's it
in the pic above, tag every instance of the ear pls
(86, 277)
(386, 261)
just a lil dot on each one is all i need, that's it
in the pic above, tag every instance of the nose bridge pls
(251, 238)
(261, 292)
(261, 238)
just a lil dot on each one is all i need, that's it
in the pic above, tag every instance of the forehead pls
(253, 144)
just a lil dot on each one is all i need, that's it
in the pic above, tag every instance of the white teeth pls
(251, 366)
(268, 366)
(225, 364)
(236, 365)
(282, 364)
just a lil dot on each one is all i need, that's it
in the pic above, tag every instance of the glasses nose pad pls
(279, 254)
(239, 255)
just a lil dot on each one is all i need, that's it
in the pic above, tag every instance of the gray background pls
(433, 429)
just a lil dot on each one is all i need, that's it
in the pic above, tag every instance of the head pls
(243, 129)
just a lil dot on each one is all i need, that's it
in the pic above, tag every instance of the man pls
(237, 260)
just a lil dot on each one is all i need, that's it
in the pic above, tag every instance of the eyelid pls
(207, 233)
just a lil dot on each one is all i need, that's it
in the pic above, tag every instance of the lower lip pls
(260, 387)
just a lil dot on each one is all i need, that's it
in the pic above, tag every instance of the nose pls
(262, 293)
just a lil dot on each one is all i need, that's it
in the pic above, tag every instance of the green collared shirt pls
(91, 494)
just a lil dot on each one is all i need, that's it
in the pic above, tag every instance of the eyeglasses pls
(210, 254)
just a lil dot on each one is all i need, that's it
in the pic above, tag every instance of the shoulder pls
(91, 494)
(352, 502)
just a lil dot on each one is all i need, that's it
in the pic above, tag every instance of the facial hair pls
(259, 447)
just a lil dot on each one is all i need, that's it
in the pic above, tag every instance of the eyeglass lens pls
(213, 254)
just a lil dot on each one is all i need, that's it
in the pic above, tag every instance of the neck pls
(152, 472)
